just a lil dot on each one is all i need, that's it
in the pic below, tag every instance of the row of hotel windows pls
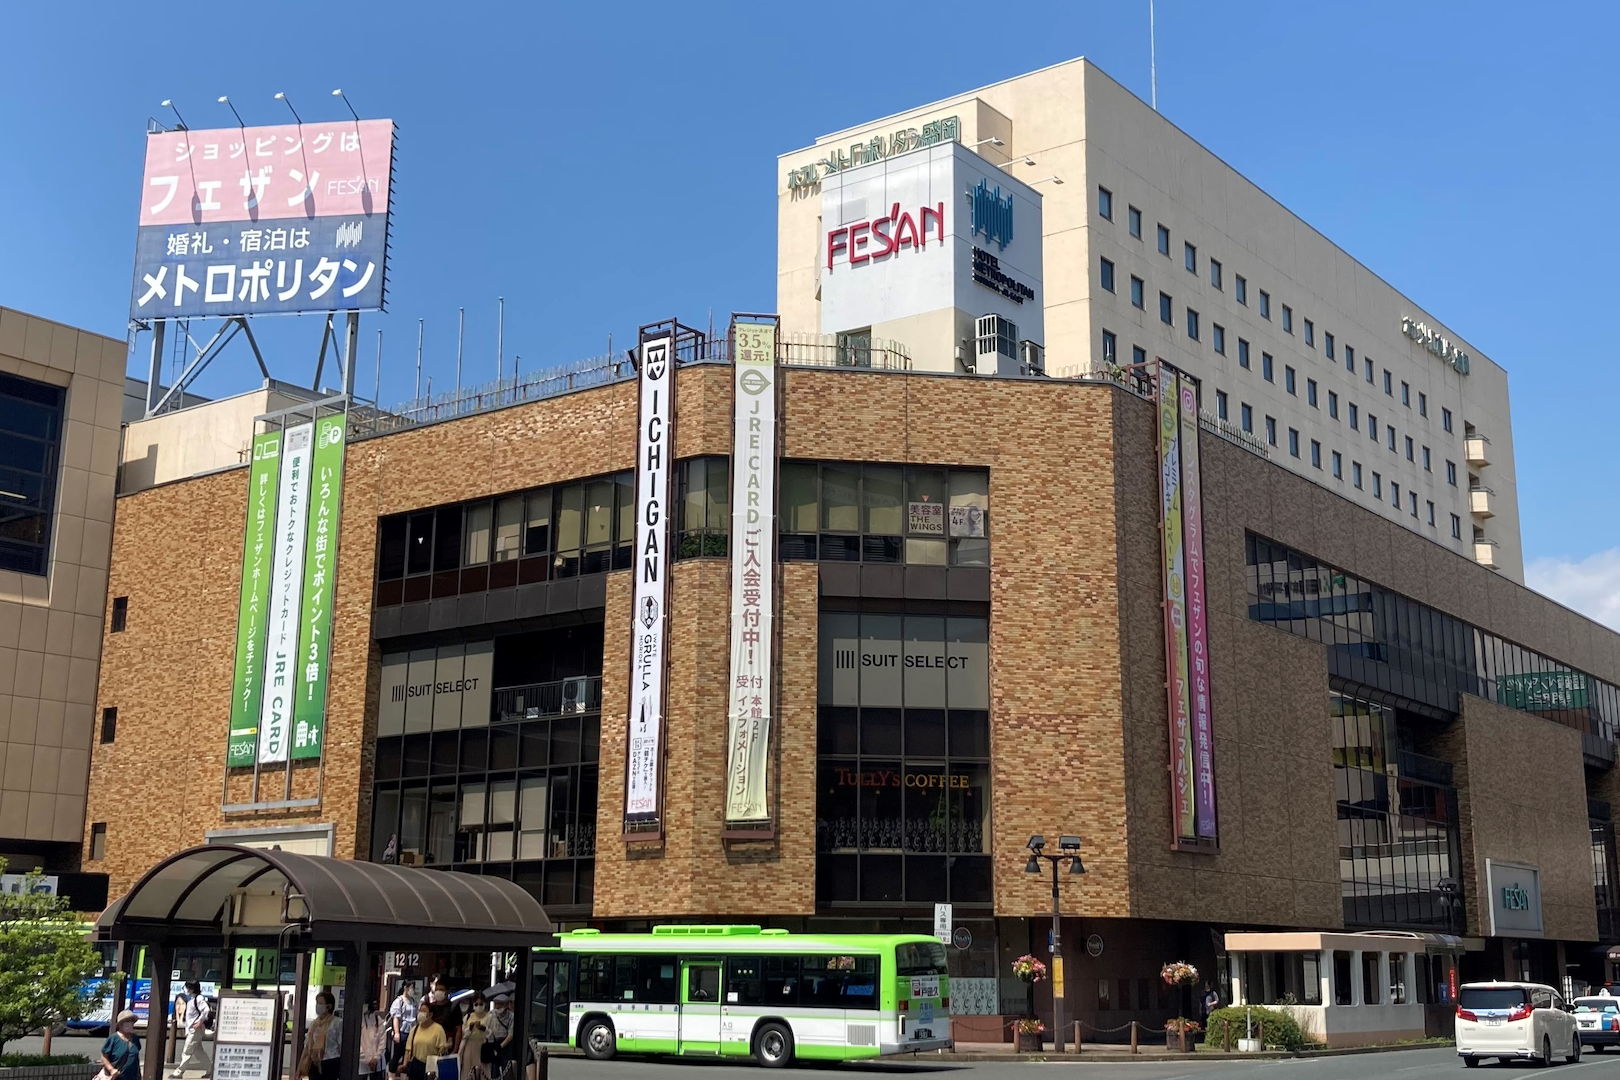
(1415, 650)
(1240, 292)
(1295, 448)
(1194, 326)
(828, 511)
(31, 423)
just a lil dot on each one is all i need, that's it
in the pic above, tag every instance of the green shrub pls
(1273, 1027)
(20, 1061)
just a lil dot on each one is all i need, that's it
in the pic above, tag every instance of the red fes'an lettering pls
(884, 236)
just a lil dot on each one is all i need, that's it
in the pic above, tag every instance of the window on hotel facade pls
(30, 450)
(1246, 414)
(1137, 286)
(1431, 511)
(1266, 371)
(1240, 288)
(1333, 404)
(903, 771)
(1190, 255)
(1265, 304)
(1316, 453)
(1350, 361)
(1428, 460)
(1110, 348)
(1410, 454)
(1389, 436)
(1271, 430)
(1192, 324)
(1293, 442)
(862, 512)
(1310, 333)
(1105, 203)
(1167, 314)
(1378, 484)
(1423, 403)
(1389, 384)
(1456, 527)
(1355, 417)
(586, 527)
(1355, 474)
(1327, 345)
(1215, 272)
(1108, 274)
(1381, 639)
(1220, 404)
(1288, 319)
(1451, 473)
(703, 506)
(1243, 354)
(1338, 465)
(1218, 337)
(1164, 240)
(1133, 220)
(1445, 418)
(1366, 367)
(1406, 394)
(1138, 356)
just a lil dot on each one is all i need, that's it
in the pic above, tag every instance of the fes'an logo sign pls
(1515, 898)
(887, 235)
(992, 214)
(1436, 343)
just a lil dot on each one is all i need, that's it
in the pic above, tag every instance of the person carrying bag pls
(121, 1053)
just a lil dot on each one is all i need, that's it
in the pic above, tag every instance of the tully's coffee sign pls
(898, 778)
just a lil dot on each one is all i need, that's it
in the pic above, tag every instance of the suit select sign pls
(933, 230)
(911, 661)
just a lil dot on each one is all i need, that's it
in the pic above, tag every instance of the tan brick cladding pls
(1521, 798)
(1078, 712)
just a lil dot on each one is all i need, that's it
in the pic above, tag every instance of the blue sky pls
(615, 165)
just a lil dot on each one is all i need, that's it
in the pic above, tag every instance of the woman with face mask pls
(445, 1013)
(426, 1041)
(121, 1053)
(323, 1041)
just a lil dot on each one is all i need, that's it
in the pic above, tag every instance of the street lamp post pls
(1069, 852)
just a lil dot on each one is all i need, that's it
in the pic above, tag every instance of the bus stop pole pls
(300, 1008)
(356, 996)
(522, 1003)
(157, 1010)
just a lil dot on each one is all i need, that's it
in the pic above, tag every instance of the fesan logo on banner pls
(648, 621)
(928, 231)
(753, 570)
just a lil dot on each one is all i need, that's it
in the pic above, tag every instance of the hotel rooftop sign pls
(877, 148)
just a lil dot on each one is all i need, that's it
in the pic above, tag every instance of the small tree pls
(47, 966)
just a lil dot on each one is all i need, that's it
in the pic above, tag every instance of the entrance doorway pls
(700, 1007)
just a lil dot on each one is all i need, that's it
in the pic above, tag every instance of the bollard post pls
(1134, 1039)
(45, 1042)
(174, 1032)
(545, 1064)
(1077, 1036)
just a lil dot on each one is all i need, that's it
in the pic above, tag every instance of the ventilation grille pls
(862, 1034)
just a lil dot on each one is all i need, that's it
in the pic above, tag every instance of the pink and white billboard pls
(264, 220)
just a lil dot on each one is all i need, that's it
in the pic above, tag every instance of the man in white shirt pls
(192, 1008)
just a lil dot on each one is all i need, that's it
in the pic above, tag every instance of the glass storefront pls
(903, 776)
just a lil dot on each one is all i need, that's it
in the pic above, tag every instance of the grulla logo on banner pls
(753, 578)
(648, 622)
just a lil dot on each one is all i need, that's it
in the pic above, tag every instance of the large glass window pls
(30, 448)
(903, 777)
(885, 513)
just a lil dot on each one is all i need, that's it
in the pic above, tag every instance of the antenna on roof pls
(1153, 58)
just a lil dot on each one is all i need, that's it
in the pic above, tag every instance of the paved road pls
(1400, 1065)
(1440, 1063)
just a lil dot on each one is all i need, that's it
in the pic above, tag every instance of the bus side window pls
(742, 980)
(861, 984)
(781, 981)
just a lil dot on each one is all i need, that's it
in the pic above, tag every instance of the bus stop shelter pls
(226, 896)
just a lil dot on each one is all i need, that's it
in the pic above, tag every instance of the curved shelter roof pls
(343, 900)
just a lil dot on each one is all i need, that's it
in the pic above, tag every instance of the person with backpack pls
(191, 1008)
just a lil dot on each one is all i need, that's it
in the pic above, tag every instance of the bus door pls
(548, 1014)
(700, 1007)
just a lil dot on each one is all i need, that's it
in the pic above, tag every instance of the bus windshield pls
(919, 958)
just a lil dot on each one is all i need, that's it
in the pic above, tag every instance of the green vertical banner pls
(320, 573)
(252, 607)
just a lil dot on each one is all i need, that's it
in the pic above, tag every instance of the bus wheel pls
(773, 1046)
(599, 1041)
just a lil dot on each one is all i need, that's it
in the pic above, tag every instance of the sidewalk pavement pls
(1117, 1053)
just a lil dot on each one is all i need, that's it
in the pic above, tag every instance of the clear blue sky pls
(621, 158)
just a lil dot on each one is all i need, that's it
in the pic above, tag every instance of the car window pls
(1597, 1004)
(1540, 999)
(1477, 998)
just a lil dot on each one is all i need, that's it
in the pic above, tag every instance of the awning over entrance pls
(333, 901)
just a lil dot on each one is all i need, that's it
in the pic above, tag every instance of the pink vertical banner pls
(1192, 517)
(1175, 608)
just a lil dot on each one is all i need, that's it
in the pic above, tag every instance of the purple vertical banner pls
(1192, 517)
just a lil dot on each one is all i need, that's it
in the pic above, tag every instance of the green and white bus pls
(735, 991)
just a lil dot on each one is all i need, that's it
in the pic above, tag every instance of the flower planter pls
(1179, 1042)
(1029, 1042)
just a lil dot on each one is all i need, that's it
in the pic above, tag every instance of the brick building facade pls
(1068, 592)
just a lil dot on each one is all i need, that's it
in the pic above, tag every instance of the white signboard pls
(1515, 899)
(286, 588)
(654, 459)
(436, 689)
(753, 579)
(246, 1020)
(942, 922)
(232, 1061)
(44, 885)
(933, 230)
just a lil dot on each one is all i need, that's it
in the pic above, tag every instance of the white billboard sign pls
(286, 592)
(753, 578)
(648, 624)
(932, 230)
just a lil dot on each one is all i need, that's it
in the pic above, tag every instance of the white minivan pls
(1514, 1020)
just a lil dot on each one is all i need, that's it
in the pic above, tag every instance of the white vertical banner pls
(286, 589)
(753, 575)
(655, 450)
